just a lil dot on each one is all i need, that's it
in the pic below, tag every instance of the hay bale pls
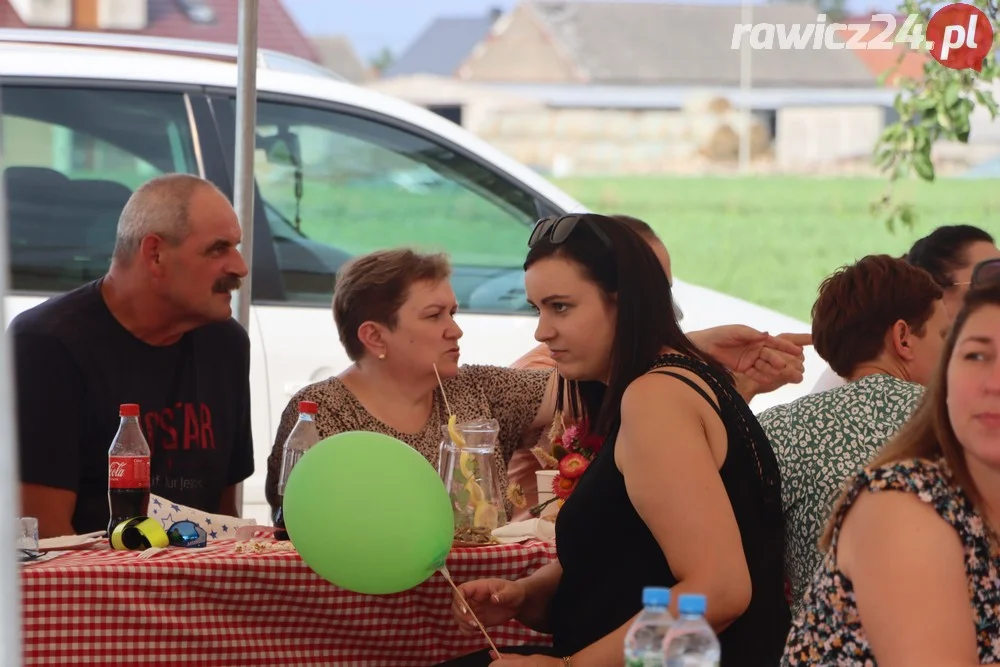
(719, 105)
(723, 144)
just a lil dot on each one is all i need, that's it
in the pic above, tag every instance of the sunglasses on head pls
(985, 273)
(557, 230)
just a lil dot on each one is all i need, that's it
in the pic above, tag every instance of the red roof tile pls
(880, 61)
(9, 17)
(276, 30)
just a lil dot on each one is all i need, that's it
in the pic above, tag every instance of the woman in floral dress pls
(912, 561)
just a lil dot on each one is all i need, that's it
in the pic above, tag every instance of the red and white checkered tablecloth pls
(214, 606)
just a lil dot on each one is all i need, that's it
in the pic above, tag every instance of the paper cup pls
(544, 479)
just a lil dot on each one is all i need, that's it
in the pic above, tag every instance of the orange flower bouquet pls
(572, 450)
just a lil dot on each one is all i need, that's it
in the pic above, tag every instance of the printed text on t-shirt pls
(181, 427)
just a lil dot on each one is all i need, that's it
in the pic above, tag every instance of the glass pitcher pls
(470, 475)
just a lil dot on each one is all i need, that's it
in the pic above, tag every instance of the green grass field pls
(772, 240)
(769, 240)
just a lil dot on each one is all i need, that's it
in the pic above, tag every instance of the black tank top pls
(608, 554)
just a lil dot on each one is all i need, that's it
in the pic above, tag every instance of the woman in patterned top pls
(881, 323)
(912, 563)
(395, 313)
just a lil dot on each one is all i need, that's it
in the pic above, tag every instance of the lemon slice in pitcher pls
(453, 433)
(486, 516)
(466, 463)
(476, 493)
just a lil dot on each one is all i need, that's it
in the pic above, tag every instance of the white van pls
(340, 170)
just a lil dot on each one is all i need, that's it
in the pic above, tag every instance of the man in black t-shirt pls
(157, 330)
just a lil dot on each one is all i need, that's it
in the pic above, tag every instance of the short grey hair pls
(158, 206)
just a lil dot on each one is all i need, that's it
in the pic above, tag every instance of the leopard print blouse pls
(511, 396)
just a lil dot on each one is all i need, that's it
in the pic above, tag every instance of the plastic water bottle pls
(300, 439)
(644, 641)
(691, 641)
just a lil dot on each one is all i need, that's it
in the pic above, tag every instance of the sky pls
(372, 25)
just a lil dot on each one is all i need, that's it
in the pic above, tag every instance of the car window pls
(337, 185)
(72, 158)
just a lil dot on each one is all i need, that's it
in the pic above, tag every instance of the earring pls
(382, 356)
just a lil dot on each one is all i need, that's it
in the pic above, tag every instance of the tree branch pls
(937, 107)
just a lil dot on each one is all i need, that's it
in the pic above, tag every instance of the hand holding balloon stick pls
(461, 596)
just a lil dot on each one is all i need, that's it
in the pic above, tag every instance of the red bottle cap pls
(128, 410)
(308, 407)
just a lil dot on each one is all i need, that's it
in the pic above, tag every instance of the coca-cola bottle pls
(128, 469)
(302, 436)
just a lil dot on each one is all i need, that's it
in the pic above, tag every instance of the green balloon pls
(368, 513)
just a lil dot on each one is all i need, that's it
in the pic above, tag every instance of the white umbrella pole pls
(10, 589)
(246, 134)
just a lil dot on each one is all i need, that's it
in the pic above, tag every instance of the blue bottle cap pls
(653, 596)
(691, 603)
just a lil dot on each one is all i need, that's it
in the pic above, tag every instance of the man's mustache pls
(227, 284)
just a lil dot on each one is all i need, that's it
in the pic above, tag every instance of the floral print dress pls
(821, 441)
(827, 629)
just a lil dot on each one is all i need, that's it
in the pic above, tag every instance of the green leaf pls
(884, 158)
(943, 119)
(900, 169)
(923, 166)
(893, 133)
(906, 215)
(952, 94)
(898, 105)
(962, 129)
(890, 221)
(990, 103)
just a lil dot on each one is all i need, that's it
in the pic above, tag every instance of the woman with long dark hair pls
(684, 493)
